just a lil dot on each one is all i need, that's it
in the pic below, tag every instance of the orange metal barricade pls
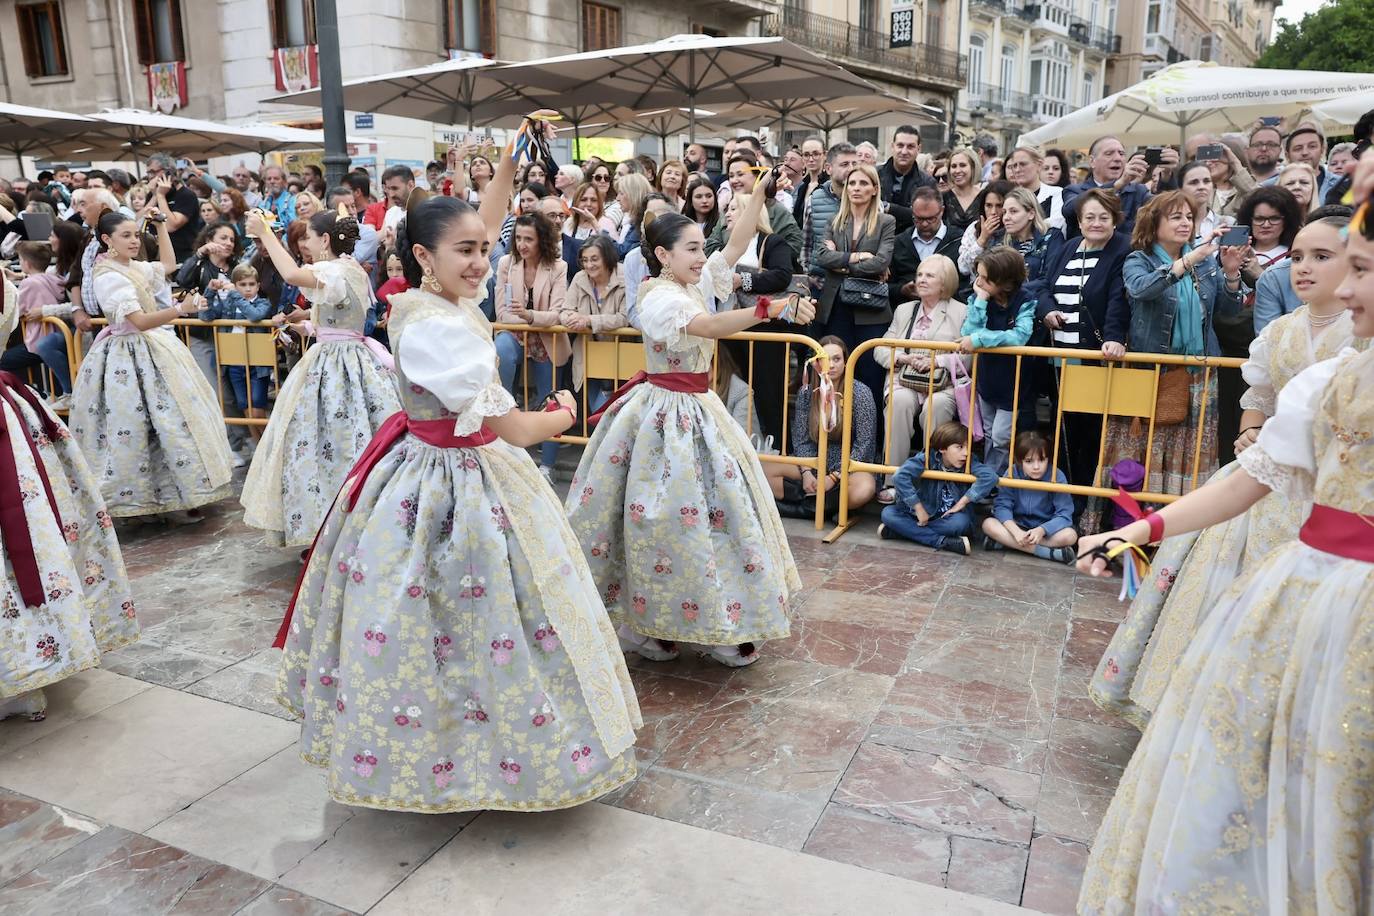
(1114, 389)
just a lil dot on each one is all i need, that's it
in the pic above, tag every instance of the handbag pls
(1173, 396)
(966, 402)
(935, 378)
(862, 293)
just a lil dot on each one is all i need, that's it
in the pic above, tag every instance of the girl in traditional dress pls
(64, 595)
(333, 401)
(448, 649)
(1251, 789)
(670, 501)
(1193, 571)
(144, 415)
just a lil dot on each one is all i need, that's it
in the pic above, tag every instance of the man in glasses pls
(1263, 153)
(928, 236)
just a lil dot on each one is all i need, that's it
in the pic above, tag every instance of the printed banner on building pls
(167, 86)
(902, 24)
(297, 69)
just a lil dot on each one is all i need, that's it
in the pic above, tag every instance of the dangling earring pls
(667, 273)
(430, 283)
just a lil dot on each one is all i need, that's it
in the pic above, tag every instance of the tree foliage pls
(1335, 37)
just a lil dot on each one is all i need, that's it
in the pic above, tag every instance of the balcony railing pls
(998, 101)
(1047, 110)
(1075, 28)
(837, 38)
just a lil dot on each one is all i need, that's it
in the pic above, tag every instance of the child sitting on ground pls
(1033, 521)
(936, 512)
(242, 301)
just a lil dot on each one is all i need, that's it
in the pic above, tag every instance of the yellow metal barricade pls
(1114, 389)
(616, 360)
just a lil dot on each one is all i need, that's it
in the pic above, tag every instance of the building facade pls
(1156, 33)
(1030, 63)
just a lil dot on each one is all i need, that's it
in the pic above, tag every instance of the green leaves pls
(1335, 37)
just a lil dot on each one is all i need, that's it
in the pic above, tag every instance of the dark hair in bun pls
(664, 232)
(426, 220)
(342, 230)
(107, 224)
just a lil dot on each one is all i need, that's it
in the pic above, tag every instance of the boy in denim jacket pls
(1033, 521)
(936, 512)
(242, 301)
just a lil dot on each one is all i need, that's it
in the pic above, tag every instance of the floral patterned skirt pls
(1251, 786)
(329, 407)
(88, 608)
(672, 507)
(448, 650)
(1190, 575)
(149, 425)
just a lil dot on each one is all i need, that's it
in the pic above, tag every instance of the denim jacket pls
(913, 488)
(1150, 287)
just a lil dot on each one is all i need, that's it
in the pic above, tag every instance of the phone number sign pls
(902, 23)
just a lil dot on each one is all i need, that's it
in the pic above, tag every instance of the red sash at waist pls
(1335, 531)
(438, 433)
(685, 382)
(14, 523)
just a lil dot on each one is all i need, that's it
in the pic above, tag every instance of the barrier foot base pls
(838, 530)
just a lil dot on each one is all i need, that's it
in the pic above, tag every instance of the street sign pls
(362, 122)
(902, 23)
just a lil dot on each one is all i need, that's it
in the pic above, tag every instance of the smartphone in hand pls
(1235, 236)
(1210, 151)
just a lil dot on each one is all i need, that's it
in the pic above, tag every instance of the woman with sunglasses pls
(602, 178)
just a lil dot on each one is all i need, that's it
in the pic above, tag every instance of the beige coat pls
(550, 293)
(947, 322)
(606, 315)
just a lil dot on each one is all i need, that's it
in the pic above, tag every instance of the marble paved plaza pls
(923, 743)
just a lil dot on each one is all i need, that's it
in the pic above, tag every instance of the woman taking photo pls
(446, 588)
(670, 501)
(1081, 301)
(961, 192)
(765, 269)
(1231, 181)
(935, 315)
(702, 206)
(1175, 291)
(854, 255)
(144, 415)
(333, 401)
(1274, 217)
(479, 176)
(531, 289)
(595, 302)
(588, 214)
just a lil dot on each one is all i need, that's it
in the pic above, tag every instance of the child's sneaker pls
(959, 545)
(887, 496)
(882, 533)
(1065, 555)
(989, 544)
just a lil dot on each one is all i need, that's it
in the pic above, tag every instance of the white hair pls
(103, 195)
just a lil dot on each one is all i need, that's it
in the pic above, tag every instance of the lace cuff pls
(1295, 483)
(1262, 399)
(492, 401)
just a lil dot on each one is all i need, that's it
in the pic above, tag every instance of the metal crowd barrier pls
(1112, 389)
(252, 346)
(617, 359)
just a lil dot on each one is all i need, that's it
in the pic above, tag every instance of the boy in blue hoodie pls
(936, 512)
(239, 298)
(1033, 521)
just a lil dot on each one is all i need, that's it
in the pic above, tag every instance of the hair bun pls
(347, 230)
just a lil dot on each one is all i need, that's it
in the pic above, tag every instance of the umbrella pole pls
(577, 140)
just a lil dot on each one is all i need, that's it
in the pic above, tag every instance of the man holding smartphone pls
(1113, 171)
(184, 222)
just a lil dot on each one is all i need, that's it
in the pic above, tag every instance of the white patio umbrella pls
(823, 115)
(462, 91)
(1192, 97)
(662, 123)
(1342, 113)
(685, 70)
(133, 133)
(25, 130)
